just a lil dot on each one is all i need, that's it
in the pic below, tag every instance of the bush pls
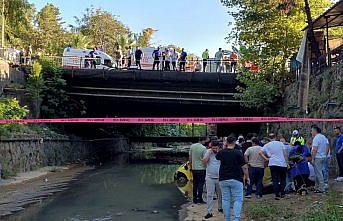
(34, 85)
(257, 91)
(10, 109)
(6, 174)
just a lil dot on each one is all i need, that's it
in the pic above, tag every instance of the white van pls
(80, 58)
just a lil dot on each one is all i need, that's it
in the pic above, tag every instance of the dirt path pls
(25, 190)
(290, 208)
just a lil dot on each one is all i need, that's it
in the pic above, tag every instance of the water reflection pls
(124, 193)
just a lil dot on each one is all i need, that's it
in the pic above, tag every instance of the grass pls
(268, 211)
(309, 208)
(6, 174)
(331, 210)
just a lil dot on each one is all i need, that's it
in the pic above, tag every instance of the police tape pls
(172, 120)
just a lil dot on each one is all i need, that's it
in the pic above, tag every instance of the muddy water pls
(126, 192)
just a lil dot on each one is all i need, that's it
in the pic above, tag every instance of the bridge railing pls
(192, 65)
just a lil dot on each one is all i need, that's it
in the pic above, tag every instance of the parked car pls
(183, 176)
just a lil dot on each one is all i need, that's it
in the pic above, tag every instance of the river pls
(115, 191)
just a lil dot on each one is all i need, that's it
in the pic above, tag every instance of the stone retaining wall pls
(22, 155)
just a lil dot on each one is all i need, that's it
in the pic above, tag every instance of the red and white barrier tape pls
(172, 120)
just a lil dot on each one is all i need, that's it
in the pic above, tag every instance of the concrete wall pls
(325, 101)
(22, 155)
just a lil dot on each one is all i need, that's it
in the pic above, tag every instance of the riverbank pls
(32, 187)
(293, 207)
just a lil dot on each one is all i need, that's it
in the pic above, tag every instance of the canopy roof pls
(334, 17)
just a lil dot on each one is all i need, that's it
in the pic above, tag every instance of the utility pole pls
(3, 25)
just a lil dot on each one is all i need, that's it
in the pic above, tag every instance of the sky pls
(192, 24)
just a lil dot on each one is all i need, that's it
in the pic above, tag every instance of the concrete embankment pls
(24, 155)
(42, 167)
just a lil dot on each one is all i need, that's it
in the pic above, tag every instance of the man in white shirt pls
(218, 60)
(320, 152)
(275, 153)
(129, 56)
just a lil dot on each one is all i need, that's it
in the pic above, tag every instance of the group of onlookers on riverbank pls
(232, 167)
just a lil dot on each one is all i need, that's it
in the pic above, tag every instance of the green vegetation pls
(268, 34)
(44, 30)
(10, 109)
(6, 174)
(34, 85)
(101, 27)
(169, 130)
(55, 101)
(304, 208)
(268, 211)
(331, 210)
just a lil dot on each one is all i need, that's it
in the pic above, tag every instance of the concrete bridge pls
(154, 93)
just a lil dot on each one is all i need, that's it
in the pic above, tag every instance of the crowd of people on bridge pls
(232, 167)
(168, 59)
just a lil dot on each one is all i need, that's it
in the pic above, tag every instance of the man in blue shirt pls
(183, 57)
(339, 153)
(156, 55)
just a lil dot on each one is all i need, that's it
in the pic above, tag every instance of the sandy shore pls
(32, 187)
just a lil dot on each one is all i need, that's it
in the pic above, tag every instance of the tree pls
(80, 41)
(50, 35)
(102, 27)
(18, 22)
(145, 37)
(268, 34)
(35, 84)
(126, 40)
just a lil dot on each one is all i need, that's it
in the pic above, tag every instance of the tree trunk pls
(310, 33)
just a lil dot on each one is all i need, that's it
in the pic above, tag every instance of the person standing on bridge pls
(139, 56)
(205, 56)
(218, 60)
(196, 154)
(167, 60)
(92, 55)
(129, 57)
(118, 56)
(183, 58)
(233, 61)
(174, 56)
(156, 55)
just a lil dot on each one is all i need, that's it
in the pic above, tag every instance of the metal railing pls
(192, 65)
(333, 58)
(15, 57)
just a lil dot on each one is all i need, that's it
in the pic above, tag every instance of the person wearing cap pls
(296, 137)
